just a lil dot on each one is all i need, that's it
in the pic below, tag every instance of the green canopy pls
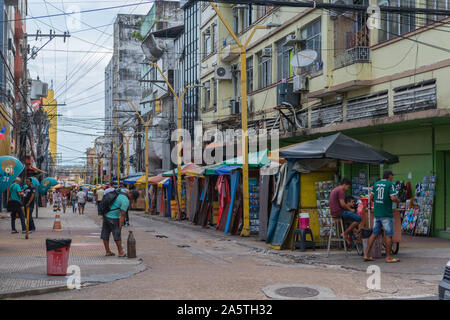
(171, 172)
(255, 159)
(211, 170)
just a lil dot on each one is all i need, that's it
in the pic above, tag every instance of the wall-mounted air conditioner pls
(300, 83)
(223, 73)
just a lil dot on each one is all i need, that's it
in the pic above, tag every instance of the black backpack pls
(104, 206)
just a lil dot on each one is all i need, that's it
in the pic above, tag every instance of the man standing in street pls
(340, 209)
(99, 195)
(15, 205)
(383, 193)
(81, 199)
(114, 220)
(29, 202)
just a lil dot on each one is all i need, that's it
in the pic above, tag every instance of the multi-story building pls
(90, 165)
(161, 27)
(11, 70)
(385, 86)
(50, 107)
(122, 80)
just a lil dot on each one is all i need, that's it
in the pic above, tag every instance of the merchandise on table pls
(254, 205)
(425, 200)
(323, 190)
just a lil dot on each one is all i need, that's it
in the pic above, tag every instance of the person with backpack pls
(114, 207)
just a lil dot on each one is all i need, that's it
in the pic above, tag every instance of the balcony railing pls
(356, 49)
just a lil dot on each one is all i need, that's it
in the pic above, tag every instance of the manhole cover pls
(297, 292)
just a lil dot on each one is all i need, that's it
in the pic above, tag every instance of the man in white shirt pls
(81, 199)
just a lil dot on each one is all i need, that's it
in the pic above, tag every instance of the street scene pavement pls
(177, 260)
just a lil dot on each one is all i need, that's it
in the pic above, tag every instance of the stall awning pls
(199, 171)
(255, 159)
(184, 168)
(338, 146)
(132, 178)
(155, 179)
(142, 179)
(212, 169)
(164, 182)
(227, 169)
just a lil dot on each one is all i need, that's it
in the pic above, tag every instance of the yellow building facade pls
(386, 86)
(50, 107)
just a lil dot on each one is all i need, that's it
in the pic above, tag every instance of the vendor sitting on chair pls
(340, 209)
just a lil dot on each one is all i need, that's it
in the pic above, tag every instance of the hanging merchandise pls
(409, 221)
(254, 205)
(425, 200)
(323, 190)
(358, 185)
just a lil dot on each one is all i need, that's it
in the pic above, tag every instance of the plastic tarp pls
(170, 173)
(234, 179)
(227, 170)
(255, 159)
(338, 146)
(132, 179)
(164, 182)
(198, 171)
(53, 244)
(281, 218)
(212, 170)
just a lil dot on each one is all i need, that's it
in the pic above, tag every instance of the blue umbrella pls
(46, 184)
(10, 168)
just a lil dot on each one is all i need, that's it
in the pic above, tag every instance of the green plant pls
(137, 35)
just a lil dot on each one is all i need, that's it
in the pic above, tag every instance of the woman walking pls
(73, 199)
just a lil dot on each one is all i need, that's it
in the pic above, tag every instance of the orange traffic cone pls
(57, 224)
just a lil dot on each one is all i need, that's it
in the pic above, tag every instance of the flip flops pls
(122, 256)
(393, 260)
(110, 254)
(369, 259)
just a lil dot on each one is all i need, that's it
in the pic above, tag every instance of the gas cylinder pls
(131, 245)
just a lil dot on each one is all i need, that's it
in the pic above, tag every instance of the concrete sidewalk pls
(421, 257)
(23, 262)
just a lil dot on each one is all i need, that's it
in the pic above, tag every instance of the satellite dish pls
(304, 58)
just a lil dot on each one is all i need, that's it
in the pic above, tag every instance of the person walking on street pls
(99, 195)
(383, 194)
(15, 205)
(114, 220)
(29, 196)
(73, 200)
(81, 199)
(64, 200)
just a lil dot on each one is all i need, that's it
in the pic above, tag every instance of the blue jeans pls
(386, 223)
(350, 216)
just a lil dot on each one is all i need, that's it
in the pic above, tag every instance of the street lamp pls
(146, 126)
(243, 56)
(127, 140)
(179, 126)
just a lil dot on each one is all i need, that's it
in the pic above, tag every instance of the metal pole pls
(118, 167)
(147, 124)
(28, 222)
(128, 155)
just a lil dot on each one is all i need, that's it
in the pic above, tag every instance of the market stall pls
(311, 172)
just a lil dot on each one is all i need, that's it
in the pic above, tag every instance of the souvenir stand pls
(308, 178)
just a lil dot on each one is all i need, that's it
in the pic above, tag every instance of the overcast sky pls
(81, 59)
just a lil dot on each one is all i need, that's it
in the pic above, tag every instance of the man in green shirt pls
(15, 205)
(114, 220)
(383, 194)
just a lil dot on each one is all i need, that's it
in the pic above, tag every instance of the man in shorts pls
(114, 220)
(340, 209)
(383, 193)
(81, 199)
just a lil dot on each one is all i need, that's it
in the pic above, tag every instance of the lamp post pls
(146, 126)
(243, 56)
(127, 141)
(179, 126)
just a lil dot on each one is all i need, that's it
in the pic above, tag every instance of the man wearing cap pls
(383, 194)
(114, 220)
(15, 205)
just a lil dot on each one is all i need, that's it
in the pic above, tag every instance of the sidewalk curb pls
(33, 292)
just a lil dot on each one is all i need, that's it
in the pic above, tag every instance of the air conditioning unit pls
(292, 40)
(39, 90)
(235, 107)
(266, 52)
(300, 83)
(223, 73)
(285, 93)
